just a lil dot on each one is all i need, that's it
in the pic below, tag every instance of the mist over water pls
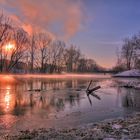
(35, 101)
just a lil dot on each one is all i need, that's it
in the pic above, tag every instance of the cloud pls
(65, 15)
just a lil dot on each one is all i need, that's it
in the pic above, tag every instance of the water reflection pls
(94, 96)
(7, 100)
(48, 98)
(131, 98)
(20, 96)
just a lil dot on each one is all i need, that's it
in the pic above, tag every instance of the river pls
(46, 101)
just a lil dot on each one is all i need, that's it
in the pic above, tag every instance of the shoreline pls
(113, 129)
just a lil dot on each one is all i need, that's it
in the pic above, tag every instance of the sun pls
(9, 46)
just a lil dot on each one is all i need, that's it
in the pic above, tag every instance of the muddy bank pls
(128, 128)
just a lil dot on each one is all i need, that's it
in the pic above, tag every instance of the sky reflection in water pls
(27, 102)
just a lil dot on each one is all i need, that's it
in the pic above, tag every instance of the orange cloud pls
(28, 28)
(44, 13)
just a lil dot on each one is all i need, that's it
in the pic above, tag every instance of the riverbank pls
(114, 129)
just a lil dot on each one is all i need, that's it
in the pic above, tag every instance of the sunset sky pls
(97, 27)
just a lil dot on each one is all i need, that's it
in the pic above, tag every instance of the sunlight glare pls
(9, 46)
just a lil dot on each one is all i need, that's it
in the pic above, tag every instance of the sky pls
(110, 22)
(97, 27)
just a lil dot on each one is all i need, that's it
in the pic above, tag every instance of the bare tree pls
(5, 35)
(72, 56)
(42, 41)
(128, 52)
(56, 56)
(5, 27)
(129, 56)
(58, 48)
(18, 52)
(32, 49)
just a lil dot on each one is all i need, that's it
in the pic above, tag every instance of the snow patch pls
(129, 73)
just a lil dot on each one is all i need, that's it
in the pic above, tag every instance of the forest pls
(38, 52)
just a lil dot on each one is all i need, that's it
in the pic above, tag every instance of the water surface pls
(29, 102)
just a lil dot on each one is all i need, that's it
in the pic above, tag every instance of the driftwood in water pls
(35, 90)
(90, 91)
(96, 96)
(94, 89)
(89, 85)
(128, 86)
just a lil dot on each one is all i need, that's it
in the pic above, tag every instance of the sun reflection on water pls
(7, 100)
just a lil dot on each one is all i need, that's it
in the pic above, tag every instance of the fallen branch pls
(89, 85)
(90, 91)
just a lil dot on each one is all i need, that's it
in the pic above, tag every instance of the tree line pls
(129, 56)
(39, 52)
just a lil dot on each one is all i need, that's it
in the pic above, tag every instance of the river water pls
(46, 101)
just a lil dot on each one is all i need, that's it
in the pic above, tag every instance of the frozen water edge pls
(112, 129)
